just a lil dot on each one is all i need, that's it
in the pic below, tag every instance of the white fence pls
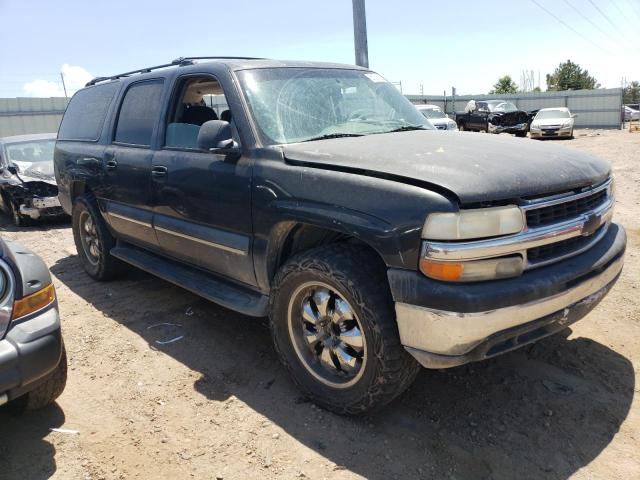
(30, 115)
(600, 108)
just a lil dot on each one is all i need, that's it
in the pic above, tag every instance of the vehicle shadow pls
(6, 224)
(545, 410)
(24, 451)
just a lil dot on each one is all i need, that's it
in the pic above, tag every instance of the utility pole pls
(360, 34)
(64, 87)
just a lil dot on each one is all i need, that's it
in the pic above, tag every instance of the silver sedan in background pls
(552, 122)
(437, 117)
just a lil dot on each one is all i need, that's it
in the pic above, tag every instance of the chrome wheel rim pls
(327, 335)
(89, 238)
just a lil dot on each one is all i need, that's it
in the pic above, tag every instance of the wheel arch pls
(291, 237)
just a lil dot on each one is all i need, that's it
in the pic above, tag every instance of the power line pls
(570, 27)
(606, 17)
(633, 7)
(621, 13)
(594, 24)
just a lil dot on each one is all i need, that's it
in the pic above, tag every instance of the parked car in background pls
(493, 116)
(552, 122)
(28, 188)
(437, 117)
(373, 243)
(33, 361)
(630, 114)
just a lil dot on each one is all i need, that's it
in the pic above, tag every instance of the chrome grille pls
(563, 248)
(565, 210)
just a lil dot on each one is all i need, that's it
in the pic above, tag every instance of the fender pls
(375, 232)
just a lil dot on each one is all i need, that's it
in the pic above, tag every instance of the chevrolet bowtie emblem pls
(591, 224)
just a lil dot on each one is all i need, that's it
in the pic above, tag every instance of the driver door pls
(202, 200)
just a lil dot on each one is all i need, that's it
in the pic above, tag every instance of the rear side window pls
(85, 114)
(138, 113)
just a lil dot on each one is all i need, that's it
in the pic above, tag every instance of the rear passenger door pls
(127, 163)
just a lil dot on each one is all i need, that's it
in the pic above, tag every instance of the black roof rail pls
(181, 61)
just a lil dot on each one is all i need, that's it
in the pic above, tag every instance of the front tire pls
(334, 328)
(94, 240)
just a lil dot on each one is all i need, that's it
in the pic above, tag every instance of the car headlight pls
(473, 223)
(473, 271)
(452, 126)
(566, 124)
(535, 126)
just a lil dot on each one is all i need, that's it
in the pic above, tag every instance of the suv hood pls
(475, 167)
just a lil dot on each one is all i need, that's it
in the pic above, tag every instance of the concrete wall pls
(598, 108)
(30, 115)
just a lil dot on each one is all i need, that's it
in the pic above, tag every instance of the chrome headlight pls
(474, 223)
(566, 124)
(452, 125)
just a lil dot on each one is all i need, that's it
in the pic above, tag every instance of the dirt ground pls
(217, 404)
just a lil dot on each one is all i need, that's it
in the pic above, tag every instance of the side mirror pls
(12, 169)
(216, 137)
(574, 115)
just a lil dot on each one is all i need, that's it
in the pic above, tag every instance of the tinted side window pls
(138, 113)
(85, 113)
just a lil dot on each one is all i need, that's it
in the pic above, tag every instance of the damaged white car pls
(28, 189)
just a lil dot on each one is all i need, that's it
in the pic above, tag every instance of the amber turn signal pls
(34, 302)
(447, 271)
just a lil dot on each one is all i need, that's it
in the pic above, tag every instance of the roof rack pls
(180, 62)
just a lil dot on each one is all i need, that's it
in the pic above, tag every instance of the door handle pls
(89, 162)
(111, 165)
(159, 172)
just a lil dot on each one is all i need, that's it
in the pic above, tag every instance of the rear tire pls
(46, 393)
(94, 240)
(353, 281)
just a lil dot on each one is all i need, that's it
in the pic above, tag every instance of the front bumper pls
(29, 353)
(446, 324)
(550, 133)
(520, 127)
(42, 207)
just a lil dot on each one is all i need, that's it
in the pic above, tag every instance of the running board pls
(206, 285)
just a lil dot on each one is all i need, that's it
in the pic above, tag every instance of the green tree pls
(505, 85)
(632, 92)
(570, 76)
(536, 90)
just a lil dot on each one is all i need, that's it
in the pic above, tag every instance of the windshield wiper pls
(333, 135)
(406, 128)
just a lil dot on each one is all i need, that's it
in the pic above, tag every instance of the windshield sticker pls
(375, 77)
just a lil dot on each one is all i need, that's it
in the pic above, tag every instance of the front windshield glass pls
(300, 104)
(432, 113)
(502, 107)
(30, 152)
(552, 114)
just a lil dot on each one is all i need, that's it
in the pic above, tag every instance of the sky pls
(429, 46)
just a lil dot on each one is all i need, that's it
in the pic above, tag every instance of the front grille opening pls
(558, 249)
(539, 217)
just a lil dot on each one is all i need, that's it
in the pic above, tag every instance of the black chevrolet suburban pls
(317, 195)
(33, 362)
